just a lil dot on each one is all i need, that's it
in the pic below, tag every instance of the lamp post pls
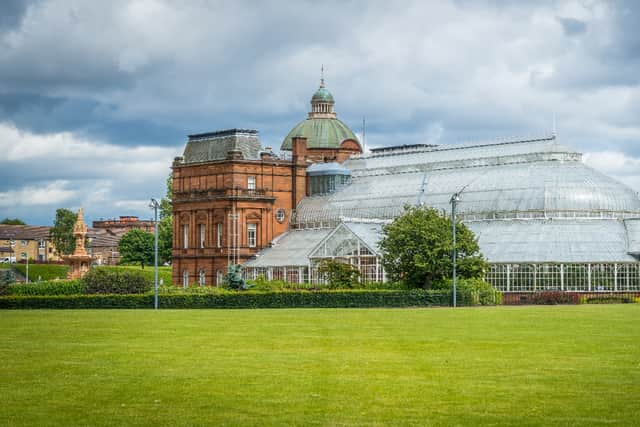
(454, 200)
(155, 206)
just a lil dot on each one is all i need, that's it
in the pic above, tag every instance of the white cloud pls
(54, 192)
(106, 179)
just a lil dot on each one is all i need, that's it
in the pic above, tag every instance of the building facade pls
(24, 242)
(231, 198)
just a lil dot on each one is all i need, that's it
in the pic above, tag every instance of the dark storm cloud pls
(125, 74)
(12, 13)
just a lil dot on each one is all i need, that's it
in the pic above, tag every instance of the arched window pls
(201, 278)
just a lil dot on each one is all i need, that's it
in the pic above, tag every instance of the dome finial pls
(322, 75)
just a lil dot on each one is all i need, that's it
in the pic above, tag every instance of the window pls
(41, 244)
(219, 236)
(23, 242)
(185, 278)
(201, 279)
(185, 235)
(251, 182)
(23, 255)
(280, 214)
(203, 235)
(251, 235)
(219, 278)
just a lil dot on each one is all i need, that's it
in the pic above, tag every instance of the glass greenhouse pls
(544, 220)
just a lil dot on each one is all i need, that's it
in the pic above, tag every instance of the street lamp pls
(454, 200)
(155, 206)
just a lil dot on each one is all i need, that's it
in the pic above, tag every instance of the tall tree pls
(165, 225)
(62, 231)
(136, 246)
(417, 249)
(12, 221)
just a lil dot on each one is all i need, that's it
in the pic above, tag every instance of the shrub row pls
(53, 287)
(291, 299)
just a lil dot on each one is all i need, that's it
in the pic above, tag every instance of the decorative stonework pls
(79, 262)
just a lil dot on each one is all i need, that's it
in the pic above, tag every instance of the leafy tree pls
(417, 248)
(165, 225)
(62, 231)
(339, 274)
(136, 246)
(12, 221)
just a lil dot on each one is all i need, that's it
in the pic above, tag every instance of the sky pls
(97, 98)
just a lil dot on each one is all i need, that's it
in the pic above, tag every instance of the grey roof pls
(552, 240)
(210, 146)
(290, 249)
(527, 201)
(369, 232)
(24, 232)
(518, 180)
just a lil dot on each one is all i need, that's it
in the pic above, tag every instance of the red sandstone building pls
(231, 198)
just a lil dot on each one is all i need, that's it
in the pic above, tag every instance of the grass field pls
(551, 365)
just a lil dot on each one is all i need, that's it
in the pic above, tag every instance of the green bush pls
(108, 281)
(53, 287)
(339, 275)
(43, 271)
(607, 299)
(7, 277)
(472, 291)
(247, 299)
(261, 284)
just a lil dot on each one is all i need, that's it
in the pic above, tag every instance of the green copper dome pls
(322, 95)
(320, 133)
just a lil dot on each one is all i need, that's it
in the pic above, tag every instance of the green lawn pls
(551, 365)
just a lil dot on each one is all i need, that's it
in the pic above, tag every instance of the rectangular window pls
(201, 278)
(219, 236)
(185, 279)
(219, 278)
(41, 244)
(185, 235)
(251, 183)
(251, 235)
(203, 235)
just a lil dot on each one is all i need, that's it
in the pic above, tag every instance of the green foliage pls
(607, 299)
(137, 247)
(249, 299)
(62, 231)
(261, 284)
(104, 281)
(339, 275)
(7, 277)
(555, 298)
(12, 221)
(233, 279)
(52, 287)
(43, 271)
(165, 225)
(472, 291)
(417, 248)
(164, 273)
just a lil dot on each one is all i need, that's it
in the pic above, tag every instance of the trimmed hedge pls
(299, 299)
